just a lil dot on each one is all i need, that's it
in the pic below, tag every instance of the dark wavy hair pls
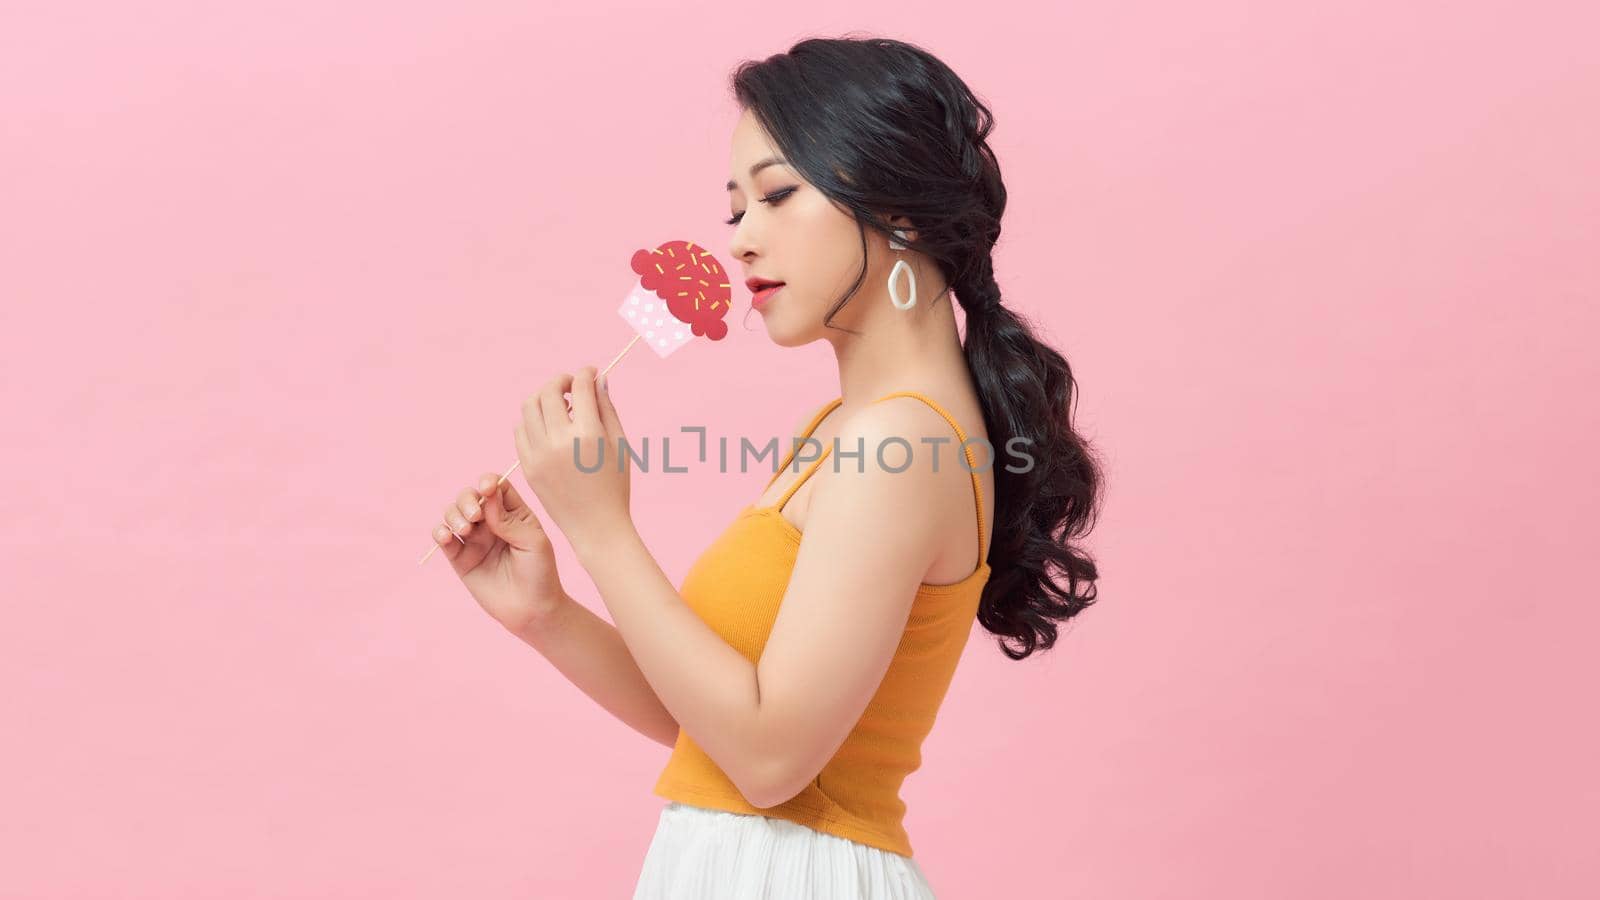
(882, 127)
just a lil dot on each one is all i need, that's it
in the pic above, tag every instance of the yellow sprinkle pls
(659, 269)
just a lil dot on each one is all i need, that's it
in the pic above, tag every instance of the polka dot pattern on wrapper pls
(649, 318)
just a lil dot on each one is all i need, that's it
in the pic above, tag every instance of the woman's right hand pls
(507, 561)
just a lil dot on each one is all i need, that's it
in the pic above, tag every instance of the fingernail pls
(604, 384)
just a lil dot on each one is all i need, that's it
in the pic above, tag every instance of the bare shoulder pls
(905, 416)
(911, 462)
(900, 435)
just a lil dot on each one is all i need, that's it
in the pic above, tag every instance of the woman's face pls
(786, 230)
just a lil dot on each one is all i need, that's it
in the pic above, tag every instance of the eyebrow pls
(769, 161)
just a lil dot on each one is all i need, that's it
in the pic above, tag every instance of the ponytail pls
(1038, 577)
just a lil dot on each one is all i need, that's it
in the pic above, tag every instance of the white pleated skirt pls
(712, 854)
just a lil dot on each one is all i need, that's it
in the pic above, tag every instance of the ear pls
(903, 226)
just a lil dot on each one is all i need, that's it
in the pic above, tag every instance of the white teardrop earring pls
(901, 265)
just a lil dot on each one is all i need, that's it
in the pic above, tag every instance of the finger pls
(490, 485)
(470, 505)
(458, 523)
(532, 419)
(608, 414)
(585, 406)
(448, 545)
(524, 445)
(495, 515)
(515, 524)
(553, 405)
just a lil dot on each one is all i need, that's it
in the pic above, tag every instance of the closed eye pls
(773, 198)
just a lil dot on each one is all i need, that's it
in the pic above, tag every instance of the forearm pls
(709, 687)
(591, 653)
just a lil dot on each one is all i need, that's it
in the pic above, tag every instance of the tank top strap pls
(794, 448)
(972, 466)
(811, 427)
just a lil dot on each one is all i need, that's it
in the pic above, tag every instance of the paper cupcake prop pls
(682, 293)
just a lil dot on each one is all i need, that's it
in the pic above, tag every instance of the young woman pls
(798, 668)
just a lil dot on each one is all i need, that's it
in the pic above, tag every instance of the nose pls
(742, 247)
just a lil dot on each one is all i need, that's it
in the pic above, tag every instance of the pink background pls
(276, 281)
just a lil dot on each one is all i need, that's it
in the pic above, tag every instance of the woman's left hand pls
(587, 504)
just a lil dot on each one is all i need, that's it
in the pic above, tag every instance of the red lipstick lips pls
(762, 290)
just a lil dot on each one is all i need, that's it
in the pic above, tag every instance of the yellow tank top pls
(736, 587)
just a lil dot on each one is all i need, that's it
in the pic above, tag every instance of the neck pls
(896, 349)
